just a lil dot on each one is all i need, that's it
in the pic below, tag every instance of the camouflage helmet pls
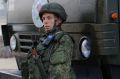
(53, 8)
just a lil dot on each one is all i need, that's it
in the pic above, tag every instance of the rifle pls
(39, 63)
(37, 56)
(32, 65)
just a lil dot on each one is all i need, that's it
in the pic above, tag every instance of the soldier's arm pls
(61, 59)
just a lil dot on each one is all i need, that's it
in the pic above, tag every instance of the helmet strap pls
(56, 26)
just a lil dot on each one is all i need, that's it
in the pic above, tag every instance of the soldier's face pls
(48, 21)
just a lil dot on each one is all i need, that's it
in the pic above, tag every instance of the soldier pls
(51, 58)
(55, 47)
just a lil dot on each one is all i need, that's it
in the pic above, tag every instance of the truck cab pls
(93, 24)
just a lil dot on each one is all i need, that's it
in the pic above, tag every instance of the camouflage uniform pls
(60, 61)
(57, 57)
(57, 60)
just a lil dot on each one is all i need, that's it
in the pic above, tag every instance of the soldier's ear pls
(58, 21)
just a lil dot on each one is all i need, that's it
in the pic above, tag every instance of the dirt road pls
(8, 63)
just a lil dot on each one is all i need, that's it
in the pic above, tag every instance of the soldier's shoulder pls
(66, 37)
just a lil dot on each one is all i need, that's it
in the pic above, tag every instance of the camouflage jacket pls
(57, 57)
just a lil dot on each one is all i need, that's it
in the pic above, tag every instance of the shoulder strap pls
(59, 35)
(57, 38)
(70, 37)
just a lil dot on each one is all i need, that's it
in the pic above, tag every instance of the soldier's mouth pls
(47, 29)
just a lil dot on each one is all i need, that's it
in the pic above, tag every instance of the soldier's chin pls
(47, 30)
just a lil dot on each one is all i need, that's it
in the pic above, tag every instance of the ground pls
(8, 63)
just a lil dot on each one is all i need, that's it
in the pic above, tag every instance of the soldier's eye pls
(49, 17)
(43, 18)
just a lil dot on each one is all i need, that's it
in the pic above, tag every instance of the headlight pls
(85, 47)
(13, 42)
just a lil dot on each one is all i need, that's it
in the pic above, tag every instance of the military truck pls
(93, 24)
